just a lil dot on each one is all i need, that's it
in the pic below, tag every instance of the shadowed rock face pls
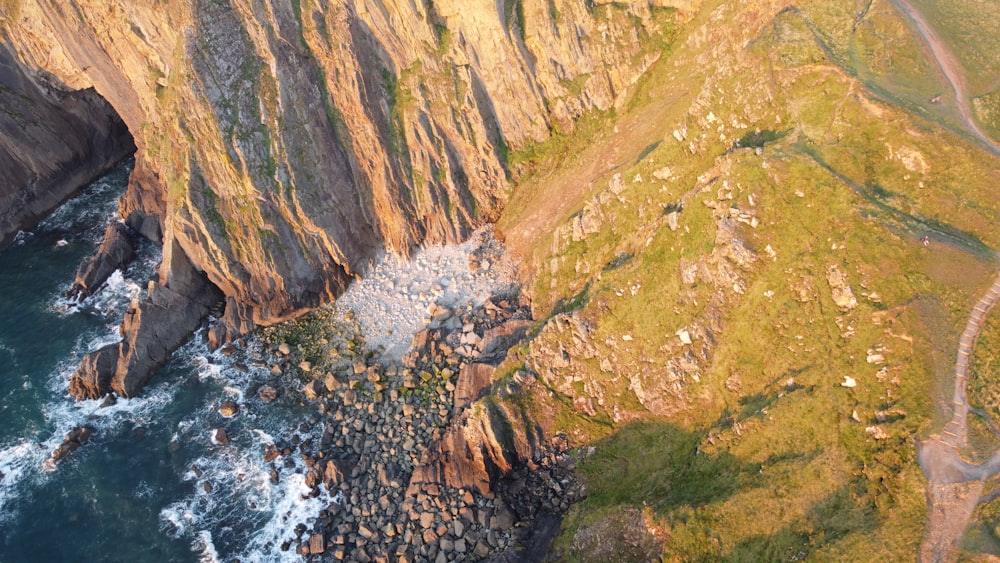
(282, 146)
(52, 143)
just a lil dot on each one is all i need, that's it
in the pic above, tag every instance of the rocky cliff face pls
(281, 146)
(52, 142)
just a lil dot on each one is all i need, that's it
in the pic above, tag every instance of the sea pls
(152, 484)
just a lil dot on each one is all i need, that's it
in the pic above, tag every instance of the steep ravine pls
(282, 147)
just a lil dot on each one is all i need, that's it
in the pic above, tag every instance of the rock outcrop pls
(153, 328)
(53, 141)
(282, 145)
(116, 250)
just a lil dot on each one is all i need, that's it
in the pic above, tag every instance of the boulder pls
(220, 437)
(229, 409)
(498, 340)
(267, 394)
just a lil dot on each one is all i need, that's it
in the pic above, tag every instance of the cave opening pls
(54, 141)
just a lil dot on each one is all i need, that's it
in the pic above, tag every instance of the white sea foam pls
(205, 549)
(242, 498)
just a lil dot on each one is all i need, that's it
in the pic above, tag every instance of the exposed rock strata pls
(115, 251)
(153, 328)
(52, 142)
(282, 146)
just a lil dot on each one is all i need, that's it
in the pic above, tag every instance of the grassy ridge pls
(755, 450)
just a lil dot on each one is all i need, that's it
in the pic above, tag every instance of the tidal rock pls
(229, 409)
(152, 330)
(220, 437)
(267, 394)
(75, 438)
(115, 251)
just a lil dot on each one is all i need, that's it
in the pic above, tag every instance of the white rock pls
(849, 382)
(875, 358)
(684, 335)
(663, 173)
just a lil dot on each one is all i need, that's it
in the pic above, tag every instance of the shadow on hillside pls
(660, 465)
(827, 521)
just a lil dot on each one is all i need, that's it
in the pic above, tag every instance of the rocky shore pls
(421, 463)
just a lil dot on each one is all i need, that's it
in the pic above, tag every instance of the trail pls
(954, 486)
(952, 70)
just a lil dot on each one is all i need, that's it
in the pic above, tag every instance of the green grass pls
(734, 464)
(970, 29)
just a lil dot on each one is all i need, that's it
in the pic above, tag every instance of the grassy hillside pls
(746, 333)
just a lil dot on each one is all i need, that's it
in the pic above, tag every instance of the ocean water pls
(151, 485)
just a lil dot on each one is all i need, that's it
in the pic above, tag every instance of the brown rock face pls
(116, 250)
(153, 328)
(282, 146)
(52, 143)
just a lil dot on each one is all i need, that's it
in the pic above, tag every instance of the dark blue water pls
(130, 494)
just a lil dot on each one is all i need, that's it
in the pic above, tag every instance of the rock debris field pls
(413, 465)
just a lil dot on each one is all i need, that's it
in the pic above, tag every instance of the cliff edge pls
(281, 147)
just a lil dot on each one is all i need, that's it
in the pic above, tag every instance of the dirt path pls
(952, 70)
(954, 486)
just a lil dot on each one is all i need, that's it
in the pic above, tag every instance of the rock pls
(877, 432)
(229, 409)
(497, 341)
(314, 389)
(330, 382)
(662, 174)
(267, 394)
(220, 437)
(115, 251)
(271, 453)
(849, 382)
(481, 550)
(843, 297)
(502, 519)
(684, 335)
(284, 349)
(426, 520)
(109, 401)
(875, 358)
(305, 366)
(53, 142)
(316, 544)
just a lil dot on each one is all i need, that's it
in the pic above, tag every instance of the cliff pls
(52, 142)
(282, 146)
